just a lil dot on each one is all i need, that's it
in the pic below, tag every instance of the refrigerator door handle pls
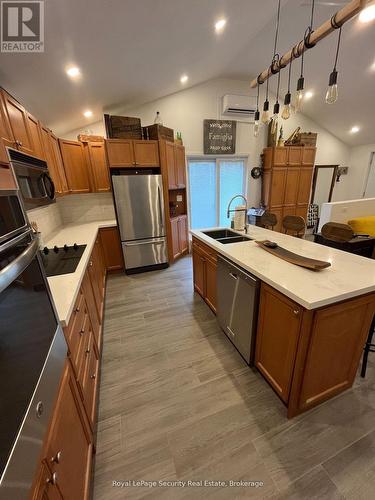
(149, 242)
(160, 209)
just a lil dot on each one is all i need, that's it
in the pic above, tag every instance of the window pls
(212, 183)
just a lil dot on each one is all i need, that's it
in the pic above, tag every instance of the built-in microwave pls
(34, 182)
(32, 351)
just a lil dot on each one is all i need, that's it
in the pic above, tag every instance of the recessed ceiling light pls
(87, 113)
(73, 72)
(354, 129)
(367, 14)
(220, 25)
(184, 78)
(309, 94)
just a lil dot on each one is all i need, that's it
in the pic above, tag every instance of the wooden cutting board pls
(294, 258)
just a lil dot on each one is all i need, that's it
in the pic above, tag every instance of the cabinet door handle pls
(57, 458)
(90, 264)
(234, 276)
(93, 376)
(77, 309)
(82, 331)
(88, 350)
(53, 479)
(296, 312)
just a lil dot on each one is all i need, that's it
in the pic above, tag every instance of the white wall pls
(186, 110)
(359, 164)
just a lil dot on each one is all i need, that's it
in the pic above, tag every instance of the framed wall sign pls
(219, 137)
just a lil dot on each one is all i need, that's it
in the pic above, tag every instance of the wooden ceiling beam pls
(341, 17)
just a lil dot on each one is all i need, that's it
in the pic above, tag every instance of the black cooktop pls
(61, 260)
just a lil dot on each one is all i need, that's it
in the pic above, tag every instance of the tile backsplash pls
(47, 218)
(75, 208)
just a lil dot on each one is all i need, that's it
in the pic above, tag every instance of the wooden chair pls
(294, 224)
(335, 231)
(369, 347)
(268, 220)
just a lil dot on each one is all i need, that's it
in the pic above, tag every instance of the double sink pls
(226, 236)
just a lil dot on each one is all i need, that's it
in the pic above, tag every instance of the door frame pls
(315, 178)
(216, 159)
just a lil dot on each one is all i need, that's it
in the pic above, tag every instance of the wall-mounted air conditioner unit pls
(239, 105)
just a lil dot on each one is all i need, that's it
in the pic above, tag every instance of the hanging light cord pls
(258, 97)
(278, 87)
(337, 49)
(277, 28)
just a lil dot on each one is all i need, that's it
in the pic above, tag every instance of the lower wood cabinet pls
(309, 356)
(112, 250)
(67, 454)
(179, 237)
(205, 271)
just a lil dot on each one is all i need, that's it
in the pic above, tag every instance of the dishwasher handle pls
(236, 272)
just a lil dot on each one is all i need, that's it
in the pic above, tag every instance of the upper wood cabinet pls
(180, 166)
(291, 186)
(75, 166)
(19, 123)
(99, 174)
(58, 164)
(6, 134)
(122, 153)
(278, 186)
(146, 153)
(277, 339)
(294, 155)
(304, 185)
(170, 161)
(308, 155)
(174, 164)
(35, 132)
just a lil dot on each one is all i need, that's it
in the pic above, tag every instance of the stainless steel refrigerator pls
(140, 215)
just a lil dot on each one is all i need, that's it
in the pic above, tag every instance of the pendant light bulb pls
(286, 109)
(256, 123)
(275, 118)
(332, 91)
(299, 94)
(266, 113)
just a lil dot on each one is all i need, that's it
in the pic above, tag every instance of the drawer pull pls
(88, 350)
(77, 309)
(93, 376)
(82, 331)
(57, 458)
(296, 312)
(53, 479)
(90, 264)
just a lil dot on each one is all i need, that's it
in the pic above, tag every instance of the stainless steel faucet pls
(241, 210)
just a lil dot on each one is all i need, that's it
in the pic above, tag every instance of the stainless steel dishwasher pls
(237, 306)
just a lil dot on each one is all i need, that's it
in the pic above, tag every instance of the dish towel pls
(239, 217)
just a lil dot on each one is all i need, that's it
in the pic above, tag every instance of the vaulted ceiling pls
(134, 51)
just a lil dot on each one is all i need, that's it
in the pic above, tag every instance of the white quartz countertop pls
(65, 287)
(349, 275)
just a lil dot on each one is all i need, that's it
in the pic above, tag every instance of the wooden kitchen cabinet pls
(35, 132)
(309, 356)
(6, 134)
(146, 153)
(122, 153)
(170, 161)
(97, 163)
(69, 435)
(204, 272)
(45, 489)
(287, 179)
(75, 166)
(54, 161)
(19, 124)
(277, 339)
(97, 275)
(179, 236)
(112, 250)
(180, 166)
(88, 292)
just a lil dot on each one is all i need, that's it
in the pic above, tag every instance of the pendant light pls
(288, 97)
(266, 107)
(276, 108)
(301, 80)
(332, 92)
(257, 116)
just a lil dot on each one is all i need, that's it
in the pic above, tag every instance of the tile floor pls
(177, 402)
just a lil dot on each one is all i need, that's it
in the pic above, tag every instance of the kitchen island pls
(312, 326)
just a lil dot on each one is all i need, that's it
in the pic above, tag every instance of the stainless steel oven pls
(33, 179)
(32, 353)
